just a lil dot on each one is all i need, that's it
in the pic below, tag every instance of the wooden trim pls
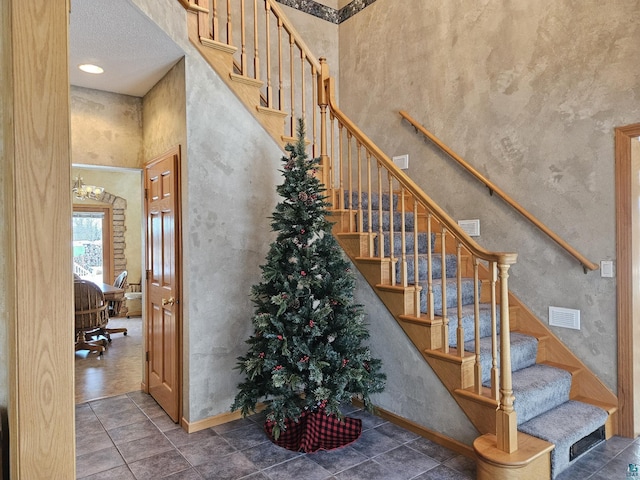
(624, 277)
(39, 310)
(191, 427)
(107, 237)
(493, 188)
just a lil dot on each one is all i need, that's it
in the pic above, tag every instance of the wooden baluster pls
(445, 318)
(267, 16)
(243, 41)
(214, 21)
(359, 187)
(204, 29)
(256, 49)
(314, 126)
(229, 26)
(303, 87)
(381, 252)
(332, 174)
(460, 329)
(325, 159)
(392, 253)
(350, 178)
(343, 201)
(292, 85)
(506, 418)
(369, 205)
(280, 68)
(495, 372)
(416, 258)
(403, 240)
(430, 299)
(476, 316)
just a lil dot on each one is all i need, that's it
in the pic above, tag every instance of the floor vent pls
(586, 443)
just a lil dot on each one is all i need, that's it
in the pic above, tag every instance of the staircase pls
(544, 403)
(536, 406)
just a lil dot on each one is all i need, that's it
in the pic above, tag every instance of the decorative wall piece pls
(325, 12)
(119, 206)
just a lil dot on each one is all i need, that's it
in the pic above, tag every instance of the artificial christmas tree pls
(306, 355)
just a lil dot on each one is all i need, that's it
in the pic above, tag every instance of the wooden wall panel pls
(38, 205)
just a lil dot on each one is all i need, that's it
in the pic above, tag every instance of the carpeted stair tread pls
(386, 223)
(564, 426)
(452, 294)
(468, 322)
(436, 265)
(397, 244)
(524, 350)
(375, 200)
(538, 389)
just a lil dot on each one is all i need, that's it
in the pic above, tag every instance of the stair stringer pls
(585, 385)
(455, 372)
(220, 57)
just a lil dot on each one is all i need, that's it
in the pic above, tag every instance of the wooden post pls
(35, 263)
(325, 160)
(506, 424)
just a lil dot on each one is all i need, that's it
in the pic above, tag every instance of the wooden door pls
(162, 206)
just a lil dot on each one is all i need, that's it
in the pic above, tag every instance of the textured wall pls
(164, 117)
(106, 128)
(529, 94)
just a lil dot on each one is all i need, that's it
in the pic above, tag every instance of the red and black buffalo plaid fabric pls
(317, 431)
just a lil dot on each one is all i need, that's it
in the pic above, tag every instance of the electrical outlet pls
(402, 161)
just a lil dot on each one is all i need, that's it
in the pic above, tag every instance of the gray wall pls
(528, 94)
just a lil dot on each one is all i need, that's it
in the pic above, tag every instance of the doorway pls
(119, 212)
(627, 191)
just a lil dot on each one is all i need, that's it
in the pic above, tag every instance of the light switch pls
(606, 269)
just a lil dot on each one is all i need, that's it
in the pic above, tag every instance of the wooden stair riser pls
(480, 409)
(273, 122)
(377, 271)
(399, 300)
(454, 372)
(429, 332)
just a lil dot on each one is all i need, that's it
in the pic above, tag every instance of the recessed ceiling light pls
(89, 68)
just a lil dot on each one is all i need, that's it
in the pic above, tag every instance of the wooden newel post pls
(323, 101)
(506, 421)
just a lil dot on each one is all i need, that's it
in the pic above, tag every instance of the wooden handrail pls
(297, 37)
(586, 263)
(506, 258)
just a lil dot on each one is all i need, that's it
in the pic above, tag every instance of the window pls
(92, 240)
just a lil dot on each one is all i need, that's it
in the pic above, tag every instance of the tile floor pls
(128, 436)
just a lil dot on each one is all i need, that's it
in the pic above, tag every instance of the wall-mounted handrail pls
(585, 262)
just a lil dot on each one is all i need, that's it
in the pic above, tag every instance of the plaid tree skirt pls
(317, 431)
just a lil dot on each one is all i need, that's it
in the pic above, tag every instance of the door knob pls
(168, 301)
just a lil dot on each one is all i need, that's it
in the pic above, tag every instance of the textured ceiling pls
(114, 34)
